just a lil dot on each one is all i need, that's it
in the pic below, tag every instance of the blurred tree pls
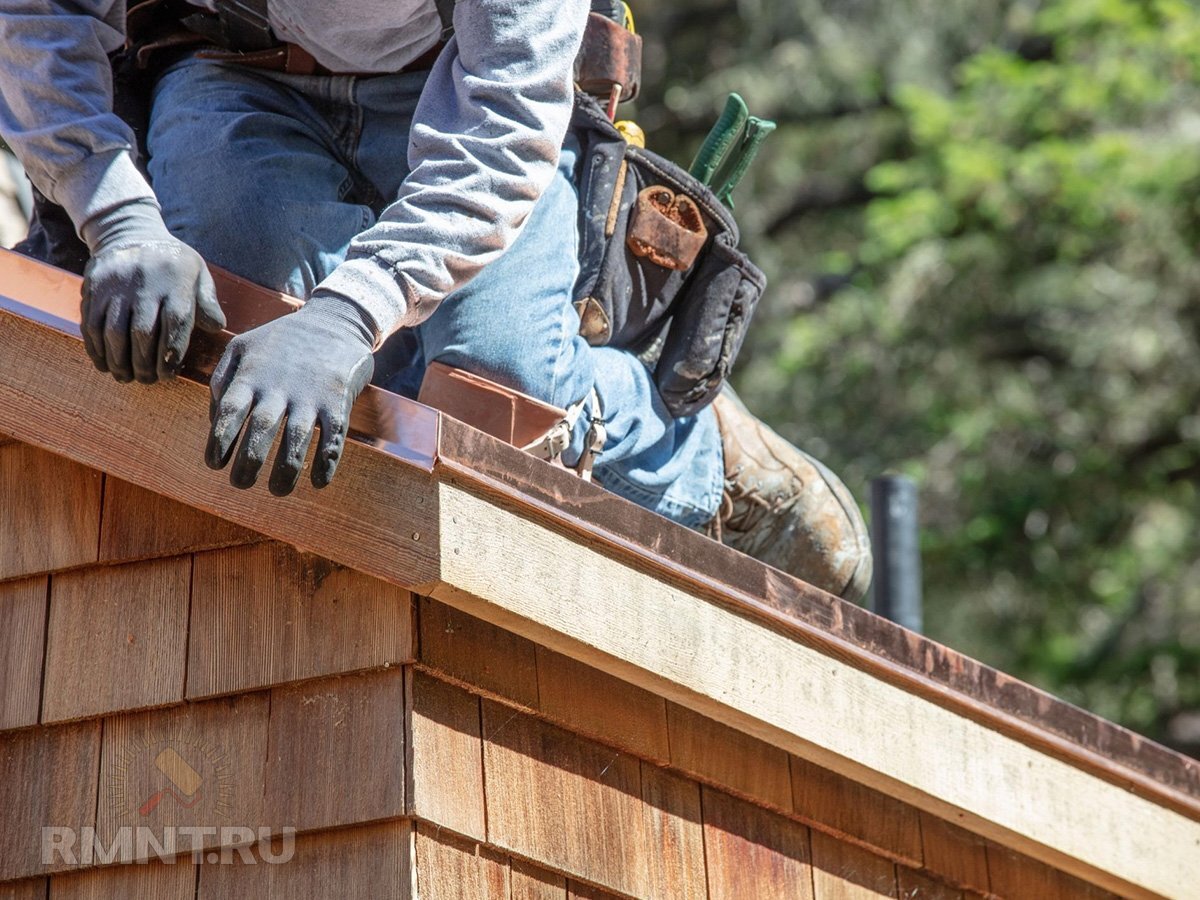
(981, 221)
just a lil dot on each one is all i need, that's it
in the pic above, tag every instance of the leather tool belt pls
(239, 32)
(158, 31)
(295, 60)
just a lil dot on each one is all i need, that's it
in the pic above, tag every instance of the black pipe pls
(896, 546)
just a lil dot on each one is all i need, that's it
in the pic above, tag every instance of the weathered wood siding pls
(417, 750)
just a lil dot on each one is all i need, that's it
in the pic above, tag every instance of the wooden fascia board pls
(378, 516)
(894, 654)
(560, 592)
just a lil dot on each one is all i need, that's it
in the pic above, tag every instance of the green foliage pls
(1002, 301)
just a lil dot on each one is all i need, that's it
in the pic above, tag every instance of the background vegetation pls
(981, 220)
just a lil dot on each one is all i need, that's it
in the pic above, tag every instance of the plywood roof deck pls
(502, 610)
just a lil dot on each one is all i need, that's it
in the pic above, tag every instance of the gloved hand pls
(309, 366)
(143, 291)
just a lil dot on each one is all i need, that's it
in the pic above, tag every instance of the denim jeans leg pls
(515, 324)
(249, 172)
(257, 171)
(675, 467)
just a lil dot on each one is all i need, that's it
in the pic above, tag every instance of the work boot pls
(786, 509)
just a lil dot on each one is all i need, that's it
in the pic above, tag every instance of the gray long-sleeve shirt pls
(484, 141)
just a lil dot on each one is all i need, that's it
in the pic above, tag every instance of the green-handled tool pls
(735, 131)
(720, 139)
(756, 132)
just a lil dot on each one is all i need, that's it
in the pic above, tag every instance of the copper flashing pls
(400, 427)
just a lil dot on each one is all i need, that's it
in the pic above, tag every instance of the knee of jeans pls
(235, 237)
(216, 197)
(274, 247)
(210, 237)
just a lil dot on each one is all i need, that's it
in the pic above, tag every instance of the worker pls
(415, 186)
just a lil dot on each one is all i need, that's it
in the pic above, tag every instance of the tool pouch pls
(660, 269)
(610, 55)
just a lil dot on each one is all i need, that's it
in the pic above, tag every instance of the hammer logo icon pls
(184, 781)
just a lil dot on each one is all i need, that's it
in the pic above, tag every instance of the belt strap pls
(293, 59)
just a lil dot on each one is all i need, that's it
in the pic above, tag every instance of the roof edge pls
(388, 515)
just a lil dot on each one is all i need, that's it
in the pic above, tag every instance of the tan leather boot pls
(786, 509)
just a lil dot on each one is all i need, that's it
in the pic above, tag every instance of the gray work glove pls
(309, 366)
(143, 291)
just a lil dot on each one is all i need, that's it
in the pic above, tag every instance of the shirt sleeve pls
(484, 145)
(56, 103)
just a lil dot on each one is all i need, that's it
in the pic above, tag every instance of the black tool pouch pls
(660, 269)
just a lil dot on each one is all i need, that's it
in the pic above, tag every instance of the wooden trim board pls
(377, 512)
(558, 592)
(601, 519)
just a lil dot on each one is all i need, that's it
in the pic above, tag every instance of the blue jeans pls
(271, 175)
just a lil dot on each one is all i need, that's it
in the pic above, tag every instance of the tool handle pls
(757, 131)
(612, 9)
(720, 139)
